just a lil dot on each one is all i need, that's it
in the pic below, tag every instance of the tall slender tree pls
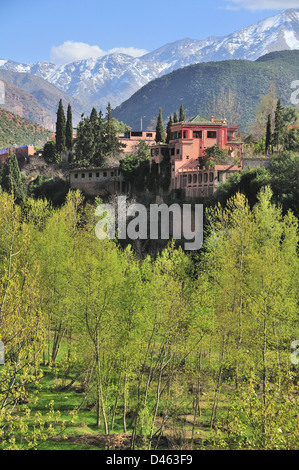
(168, 129)
(279, 125)
(69, 129)
(60, 129)
(182, 114)
(175, 117)
(11, 180)
(160, 133)
(112, 142)
(268, 135)
(100, 140)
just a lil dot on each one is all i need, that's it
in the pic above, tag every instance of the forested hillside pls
(19, 131)
(202, 86)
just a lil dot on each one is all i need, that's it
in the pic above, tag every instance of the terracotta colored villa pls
(182, 159)
(186, 148)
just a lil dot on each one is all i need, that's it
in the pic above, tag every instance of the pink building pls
(132, 138)
(186, 149)
(25, 151)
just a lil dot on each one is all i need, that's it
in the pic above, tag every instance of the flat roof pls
(95, 168)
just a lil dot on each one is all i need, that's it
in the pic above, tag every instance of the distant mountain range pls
(199, 86)
(33, 98)
(116, 77)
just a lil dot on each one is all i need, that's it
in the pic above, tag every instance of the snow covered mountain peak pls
(115, 77)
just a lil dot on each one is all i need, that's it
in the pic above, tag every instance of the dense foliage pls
(282, 176)
(97, 138)
(15, 130)
(149, 342)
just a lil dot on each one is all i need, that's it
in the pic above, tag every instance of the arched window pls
(194, 178)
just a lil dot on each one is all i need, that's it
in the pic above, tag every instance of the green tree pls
(85, 144)
(21, 323)
(113, 146)
(60, 129)
(11, 180)
(290, 115)
(278, 133)
(168, 130)
(175, 117)
(99, 132)
(268, 144)
(160, 133)
(69, 129)
(182, 114)
(50, 153)
(135, 166)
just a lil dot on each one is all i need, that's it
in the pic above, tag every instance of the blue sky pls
(64, 30)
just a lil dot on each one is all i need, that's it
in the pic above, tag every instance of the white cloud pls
(262, 4)
(71, 51)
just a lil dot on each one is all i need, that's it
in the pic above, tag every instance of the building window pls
(172, 151)
(211, 177)
(97, 175)
(200, 178)
(111, 173)
(136, 134)
(189, 179)
(76, 175)
(180, 135)
(205, 177)
(197, 134)
(194, 178)
(212, 134)
(149, 134)
(105, 174)
(184, 134)
(90, 175)
(82, 175)
(177, 151)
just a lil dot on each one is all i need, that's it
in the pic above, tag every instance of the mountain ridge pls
(197, 86)
(116, 77)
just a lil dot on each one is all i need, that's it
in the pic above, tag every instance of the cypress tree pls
(168, 130)
(268, 134)
(85, 145)
(11, 180)
(69, 129)
(160, 133)
(175, 117)
(60, 129)
(99, 128)
(94, 117)
(113, 145)
(279, 125)
(182, 114)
